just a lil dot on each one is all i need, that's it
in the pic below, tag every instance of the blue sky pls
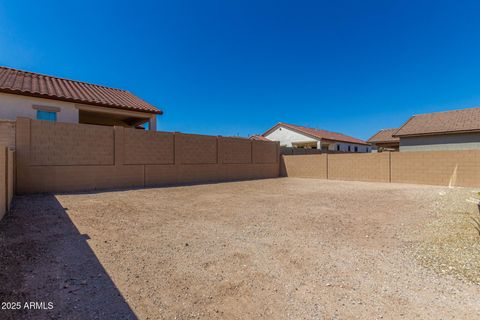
(238, 67)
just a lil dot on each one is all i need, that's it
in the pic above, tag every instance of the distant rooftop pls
(319, 133)
(384, 135)
(258, 137)
(456, 121)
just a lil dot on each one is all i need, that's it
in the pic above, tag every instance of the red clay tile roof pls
(318, 133)
(38, 85)
(384, 135)
(465, 120)
(257, 137)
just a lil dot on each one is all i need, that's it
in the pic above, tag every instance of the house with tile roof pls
(43, 97)
(258, 138)
(289, 135)
(449, 130)
(384, 140)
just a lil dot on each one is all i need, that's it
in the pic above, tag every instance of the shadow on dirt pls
(44, 258)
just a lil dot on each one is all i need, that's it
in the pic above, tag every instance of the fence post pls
(390, 166)
(22, 146)
(251, 151)
(3, 175)
(326, 155)
(118, 146)
(10, 174)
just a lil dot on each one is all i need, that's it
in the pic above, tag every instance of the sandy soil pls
(269, 249)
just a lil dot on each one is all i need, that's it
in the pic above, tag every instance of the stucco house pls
(384, 140)
(289, 135)
(449, 130)
(43, 97)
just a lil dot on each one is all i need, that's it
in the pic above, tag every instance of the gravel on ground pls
(283, 248)
(450, 242)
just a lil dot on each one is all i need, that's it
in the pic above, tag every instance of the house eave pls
(46, 96)
(436, 133)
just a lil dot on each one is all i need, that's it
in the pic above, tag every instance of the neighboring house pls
(384, 141)
(38, 96)
(450, 130)
(290, 135)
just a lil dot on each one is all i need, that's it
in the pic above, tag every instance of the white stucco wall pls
(286, 137)
(464, 141)
(344, 147)
(13, 106)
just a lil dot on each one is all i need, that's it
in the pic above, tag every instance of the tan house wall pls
(14, 105)
(441, 142)
(446, 168)
(58, 157)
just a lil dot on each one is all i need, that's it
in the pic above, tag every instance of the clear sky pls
(231, 67)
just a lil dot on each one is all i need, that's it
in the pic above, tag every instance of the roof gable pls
(384, 135)
(20, 82)
(317, 133)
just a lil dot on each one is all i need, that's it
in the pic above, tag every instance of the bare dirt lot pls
(273, 249)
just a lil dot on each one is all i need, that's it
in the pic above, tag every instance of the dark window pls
(356, 149)
(348, 148)
(338, 147)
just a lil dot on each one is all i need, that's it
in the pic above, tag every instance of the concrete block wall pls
(219, 159)
(6, 179)
(235, 151)
(59, 157)
(66, 144)
(7, 133)
(3, 182)
(305, 166)
(445, 168)
(10, 174)
(359, 167)
(148, 147)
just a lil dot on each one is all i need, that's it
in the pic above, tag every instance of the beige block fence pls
(6, 179)
(445, 168)
(63, 157)
(7, 133)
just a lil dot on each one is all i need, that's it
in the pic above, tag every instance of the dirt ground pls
(270, 249)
